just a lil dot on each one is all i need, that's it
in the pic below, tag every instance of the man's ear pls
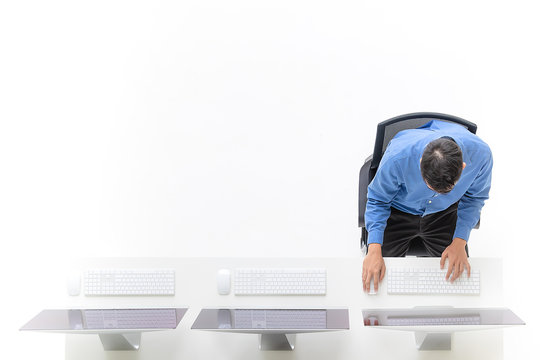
(464, 165)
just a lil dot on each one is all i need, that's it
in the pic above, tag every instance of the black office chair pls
(386, 130)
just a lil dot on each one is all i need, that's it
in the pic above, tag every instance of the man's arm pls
(470, 205)
(381, 192)
(469, 208)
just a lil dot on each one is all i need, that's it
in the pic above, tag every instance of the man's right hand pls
(373, 267)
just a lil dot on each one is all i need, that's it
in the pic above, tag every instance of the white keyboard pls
(130, 318)
(280, 281)
(125, 282)
(425, 281)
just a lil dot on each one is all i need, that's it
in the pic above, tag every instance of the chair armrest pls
(363, 182)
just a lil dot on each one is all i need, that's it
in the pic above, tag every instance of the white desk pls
(196, 289)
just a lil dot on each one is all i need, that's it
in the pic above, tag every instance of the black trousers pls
(434, 231)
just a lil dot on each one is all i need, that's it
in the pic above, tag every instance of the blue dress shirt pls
(398, 182)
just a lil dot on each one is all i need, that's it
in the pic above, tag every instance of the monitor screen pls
(440, 316)
(105, 319)
(272, 320)
(433, 326)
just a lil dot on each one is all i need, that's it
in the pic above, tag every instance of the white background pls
(237, 128)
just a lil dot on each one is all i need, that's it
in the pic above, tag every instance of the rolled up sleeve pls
(470, 205)
(381, 191)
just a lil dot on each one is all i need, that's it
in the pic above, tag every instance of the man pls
(431, 184)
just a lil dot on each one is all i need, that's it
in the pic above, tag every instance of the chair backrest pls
(386, 130)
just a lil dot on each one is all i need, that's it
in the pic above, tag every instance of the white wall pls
(237, 128)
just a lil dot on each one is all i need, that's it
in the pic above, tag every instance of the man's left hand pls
(457, 259)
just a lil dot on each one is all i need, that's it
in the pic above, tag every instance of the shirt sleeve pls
(381, 191)
(471, 203)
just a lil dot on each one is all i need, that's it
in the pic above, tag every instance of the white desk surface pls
(196, 289)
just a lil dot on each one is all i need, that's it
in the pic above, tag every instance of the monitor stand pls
(433, 341)
(121, 342)
(277, 342)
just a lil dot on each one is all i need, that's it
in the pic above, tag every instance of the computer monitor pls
(433, 326)
(276, 328)
(118, 329)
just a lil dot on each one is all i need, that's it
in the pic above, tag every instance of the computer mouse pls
(372, 288)
(223, 280)
(73, 283)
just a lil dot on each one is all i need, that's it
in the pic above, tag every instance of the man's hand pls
(373, 267)
(457, 259)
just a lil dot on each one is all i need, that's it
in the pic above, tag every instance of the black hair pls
(441, 164)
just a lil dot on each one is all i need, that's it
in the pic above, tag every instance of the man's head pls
(441, 164)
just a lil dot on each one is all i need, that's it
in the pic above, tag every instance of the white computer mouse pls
(223, 280)
(73, 283)
(372, 288)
